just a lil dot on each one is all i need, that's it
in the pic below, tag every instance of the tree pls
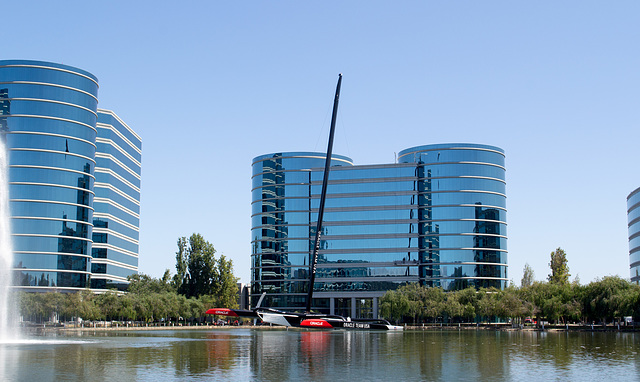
(226, 287)
(145, 284)
(528, 277)
(196, 270)
(610, 298)
(394, 305)
(559, 268)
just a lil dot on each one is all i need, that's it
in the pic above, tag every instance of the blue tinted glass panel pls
(39, 261)
(102, 177)
(115, 226)
(49, 227)
(117, 198)
(48, 75)
(117, 154)
(52, 193)
(51, 93)
(635, 242)
(633, 214)
(56, 110)
(51, 126)
(51, 210)
(66, 244)
(116, 212)
(61, 177)
(103, 253)
(34, 141)
(121, 172)
(48, 159)
(51, 279)
(108, 119)
(120, 243)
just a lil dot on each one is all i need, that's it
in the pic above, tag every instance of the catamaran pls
(309, 319)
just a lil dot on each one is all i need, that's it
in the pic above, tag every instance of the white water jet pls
(8, 329)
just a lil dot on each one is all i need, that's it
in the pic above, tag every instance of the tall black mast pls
(323, 195)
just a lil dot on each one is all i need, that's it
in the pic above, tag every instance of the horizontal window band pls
(53, 68)
(378, 180)
(376, 223)
(52, 168)
(49, 118)
(303, 156)
(50, 270)
(380, 236)
(52, 219)
(109, 217)
(115, 116)
(379, 250)
(52, 85)
(107, 276)
(53, 254)
(375, 208)
(329, 280)
(117, 234)
(49, 202)
(110, 172)
(116, 190)
(117, 205)
(116, 249)
(380, 194)
(54, 237)
(52, 185)
(115, 264)
(118, 163)
(55, 102)
(111, 143)
(394, 264)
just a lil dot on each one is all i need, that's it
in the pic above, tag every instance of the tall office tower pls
(116, 215)
(49, 121)
(437, 217)
(633, 217)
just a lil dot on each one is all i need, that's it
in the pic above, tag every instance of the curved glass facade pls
(437, 217)
(48, 113)
(633, 217)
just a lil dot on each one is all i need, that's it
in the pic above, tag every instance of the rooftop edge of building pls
(450, 146)
(634, 192)
(49, 65)
(301, 154)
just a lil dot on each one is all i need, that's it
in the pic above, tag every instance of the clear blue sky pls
(210, 85)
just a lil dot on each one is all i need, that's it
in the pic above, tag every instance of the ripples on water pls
(279, 355)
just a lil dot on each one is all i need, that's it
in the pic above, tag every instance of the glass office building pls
(116, 204)
(49, 118)
(437, 217)
(633, 217)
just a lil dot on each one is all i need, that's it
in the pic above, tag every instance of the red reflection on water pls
(314, 342)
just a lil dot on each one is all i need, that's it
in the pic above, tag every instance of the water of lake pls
(279, 355)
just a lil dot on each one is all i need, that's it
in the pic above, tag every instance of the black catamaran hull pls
(304, 320)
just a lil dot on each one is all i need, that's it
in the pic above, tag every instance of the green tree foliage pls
(145, 284)
(394, 305)
(559, 268)
(226, 284)
(196, 270)
(528, 276)
(148, 300)
(610, 298)
(606, 300)
(199, 274)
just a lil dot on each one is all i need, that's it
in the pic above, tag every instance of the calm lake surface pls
(279, 355)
